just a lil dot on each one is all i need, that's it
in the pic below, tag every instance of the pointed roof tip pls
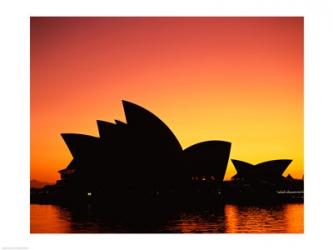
(234, 160)
(125, 103)
(117, 122)
(101, 122)
(129, 106)
(76, 136)
(133, 105)
(104, 126)
(288, 161)
(236, 163)
(65, 135)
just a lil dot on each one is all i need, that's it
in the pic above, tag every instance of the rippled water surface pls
(282, 218)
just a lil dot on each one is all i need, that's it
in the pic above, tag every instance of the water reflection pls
(283, 218)
(256, 219)
(49, 219)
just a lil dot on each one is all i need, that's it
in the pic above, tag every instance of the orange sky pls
(233, 79)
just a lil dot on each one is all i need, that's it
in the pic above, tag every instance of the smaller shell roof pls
(267, 169)
(79, 144)
(209, 158)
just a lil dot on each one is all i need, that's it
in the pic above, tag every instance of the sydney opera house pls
(141, 161)
(137, 159)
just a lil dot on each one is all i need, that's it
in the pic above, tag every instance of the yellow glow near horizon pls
(233, 79)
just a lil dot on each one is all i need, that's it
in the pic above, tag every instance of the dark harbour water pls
(281, 218)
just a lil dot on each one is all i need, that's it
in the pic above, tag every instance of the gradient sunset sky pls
(218, 78)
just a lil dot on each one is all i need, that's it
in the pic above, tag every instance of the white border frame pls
(15, 98)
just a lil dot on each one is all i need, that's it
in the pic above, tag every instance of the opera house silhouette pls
(141, 161)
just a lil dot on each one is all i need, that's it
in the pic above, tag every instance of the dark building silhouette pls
(141, 163)
(140, 160)
(207, 160)
(263, 182)
(270, 171)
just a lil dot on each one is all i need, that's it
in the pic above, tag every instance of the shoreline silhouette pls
(141, 163)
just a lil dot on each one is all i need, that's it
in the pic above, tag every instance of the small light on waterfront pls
(89, 194)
